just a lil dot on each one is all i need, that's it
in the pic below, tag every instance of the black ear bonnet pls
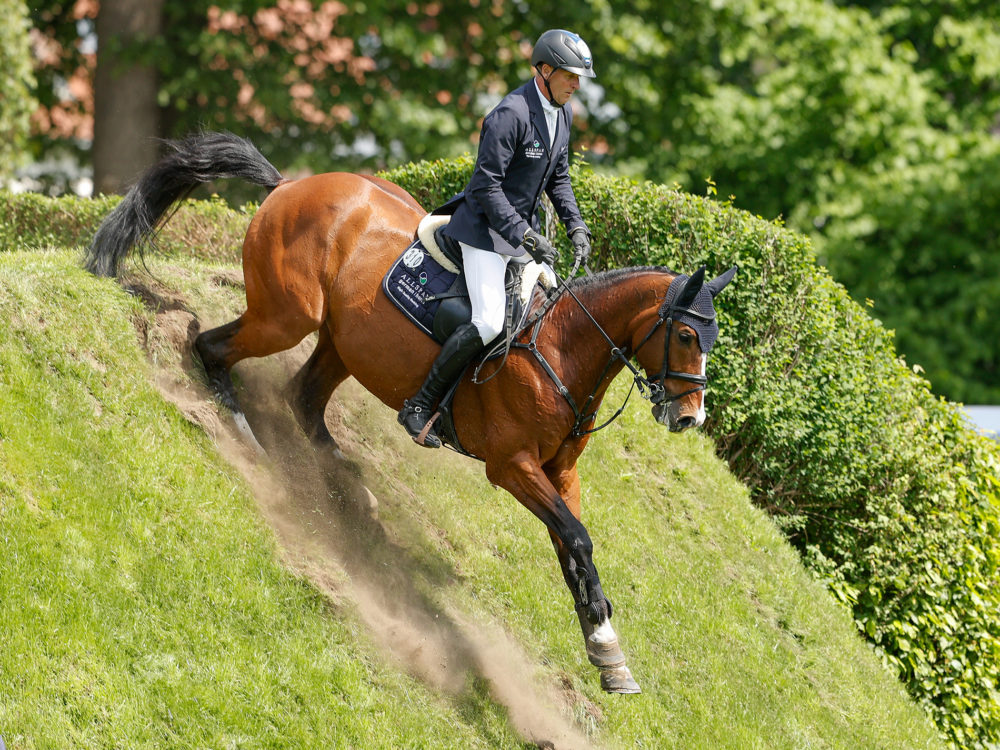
(689, 300)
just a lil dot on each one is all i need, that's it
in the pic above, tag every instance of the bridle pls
(652, 389)
(657, 383)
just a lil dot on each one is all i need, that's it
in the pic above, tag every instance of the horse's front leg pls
(525, 479)
(599, 636)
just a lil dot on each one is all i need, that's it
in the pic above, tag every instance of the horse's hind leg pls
(308, 394)
(310, 390)
(212, 347)
(247, 336)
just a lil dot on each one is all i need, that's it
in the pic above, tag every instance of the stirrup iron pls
(425, 436)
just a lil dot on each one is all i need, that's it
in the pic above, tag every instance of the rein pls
(652, 389)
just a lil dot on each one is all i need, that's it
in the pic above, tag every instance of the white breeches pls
(484, 275)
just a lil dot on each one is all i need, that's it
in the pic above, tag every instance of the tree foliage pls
(868, 128)
(921, 242)
(16, 82)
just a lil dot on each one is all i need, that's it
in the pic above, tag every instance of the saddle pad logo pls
(413, 257)
(415, 283)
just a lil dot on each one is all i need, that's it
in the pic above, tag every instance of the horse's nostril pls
(686, 422)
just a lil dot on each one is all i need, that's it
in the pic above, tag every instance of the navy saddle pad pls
(436, 298)
(417, 284)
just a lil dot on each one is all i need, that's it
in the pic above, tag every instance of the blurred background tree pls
(870, 126)
(126, 91)
(16, 84)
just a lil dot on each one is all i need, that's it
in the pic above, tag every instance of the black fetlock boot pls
(455, 354)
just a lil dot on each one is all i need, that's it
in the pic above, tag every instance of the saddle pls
(426, 283)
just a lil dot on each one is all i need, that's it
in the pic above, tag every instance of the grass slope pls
(143, 603)
(146, 603)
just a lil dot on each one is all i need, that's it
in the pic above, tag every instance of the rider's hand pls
(580, 238)
(539, 248)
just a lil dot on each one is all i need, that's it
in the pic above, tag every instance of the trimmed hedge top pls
(209, 228)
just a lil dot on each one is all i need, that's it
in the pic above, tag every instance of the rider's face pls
(563, 84)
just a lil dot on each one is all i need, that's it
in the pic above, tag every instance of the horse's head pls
(676, 349)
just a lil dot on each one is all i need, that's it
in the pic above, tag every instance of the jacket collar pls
(537, 111)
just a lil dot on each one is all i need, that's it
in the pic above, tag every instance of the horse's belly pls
(383, 350)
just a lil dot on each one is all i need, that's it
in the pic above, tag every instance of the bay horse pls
(314, 257)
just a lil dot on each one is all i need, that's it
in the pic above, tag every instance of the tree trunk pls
(126, 113)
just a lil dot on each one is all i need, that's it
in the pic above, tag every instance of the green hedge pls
(208, 229)
(888, 494)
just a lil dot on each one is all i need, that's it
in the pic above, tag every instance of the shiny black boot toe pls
(414, 419)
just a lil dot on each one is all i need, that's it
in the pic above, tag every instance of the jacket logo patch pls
(534, 151)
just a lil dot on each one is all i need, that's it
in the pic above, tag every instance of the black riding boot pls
(456, 353)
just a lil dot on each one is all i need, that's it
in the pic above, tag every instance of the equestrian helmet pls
(563, 49)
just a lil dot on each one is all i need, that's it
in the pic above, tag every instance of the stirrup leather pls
(421, 439)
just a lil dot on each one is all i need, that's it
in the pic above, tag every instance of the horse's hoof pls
(619, 680)
(605, 655)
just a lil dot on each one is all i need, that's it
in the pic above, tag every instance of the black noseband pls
(657, 384)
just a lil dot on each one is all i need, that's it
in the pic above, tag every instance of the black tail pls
(193, 160)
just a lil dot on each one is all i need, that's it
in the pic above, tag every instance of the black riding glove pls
(580, 238)
(539, 248)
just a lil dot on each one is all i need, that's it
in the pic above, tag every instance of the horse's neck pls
(625, 309)
(624, 306)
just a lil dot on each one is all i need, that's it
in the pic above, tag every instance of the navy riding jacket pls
(514, 166)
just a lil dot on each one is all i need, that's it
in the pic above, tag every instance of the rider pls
(523, 149)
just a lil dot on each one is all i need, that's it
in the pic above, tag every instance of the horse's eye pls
(685, 337)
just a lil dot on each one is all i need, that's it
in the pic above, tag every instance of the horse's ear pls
(719, 283)
(686, 296)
